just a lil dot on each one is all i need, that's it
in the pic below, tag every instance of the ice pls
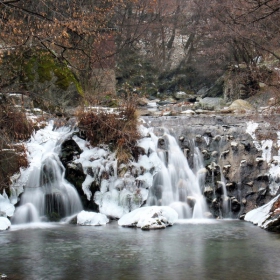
(5, 205)
(86, 185)
(150, 217)
(86, 218)
(4, 223)
(260, 215)
(45, 189)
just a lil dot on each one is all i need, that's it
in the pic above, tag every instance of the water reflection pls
(219, 250)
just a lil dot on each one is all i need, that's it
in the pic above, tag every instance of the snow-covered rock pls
(266, 216)
(4, 223)
(85, 218)
(152, 217)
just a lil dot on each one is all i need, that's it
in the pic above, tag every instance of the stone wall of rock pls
(239, 152)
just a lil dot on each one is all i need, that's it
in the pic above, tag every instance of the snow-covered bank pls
(266, 216)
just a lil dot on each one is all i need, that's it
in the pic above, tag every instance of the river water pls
(227, 249)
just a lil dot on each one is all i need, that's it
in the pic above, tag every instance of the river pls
(217, 249)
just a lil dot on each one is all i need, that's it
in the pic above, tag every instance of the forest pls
(64, 54)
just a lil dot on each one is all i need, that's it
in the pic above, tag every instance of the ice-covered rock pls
(85, 218)
(4, 223)
(152, 217)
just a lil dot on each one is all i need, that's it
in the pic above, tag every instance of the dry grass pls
(118, 130)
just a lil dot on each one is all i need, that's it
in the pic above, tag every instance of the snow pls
(251, 128)
(4, 223)
(152, 217)
(86, 218)
(260, 215)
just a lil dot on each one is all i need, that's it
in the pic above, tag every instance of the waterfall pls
(177, 185)
(47, 195)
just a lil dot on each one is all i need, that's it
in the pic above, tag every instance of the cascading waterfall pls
(47, 195)
(176, 184)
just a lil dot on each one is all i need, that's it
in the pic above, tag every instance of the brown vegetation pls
(117, 129)
(14, 127)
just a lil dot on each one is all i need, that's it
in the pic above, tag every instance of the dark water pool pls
(220, 250)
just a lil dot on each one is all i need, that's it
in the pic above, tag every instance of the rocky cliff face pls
(240, 156)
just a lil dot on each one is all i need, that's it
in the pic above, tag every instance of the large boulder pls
(153, 217)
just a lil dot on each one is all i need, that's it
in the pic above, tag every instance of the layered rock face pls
(240, 155)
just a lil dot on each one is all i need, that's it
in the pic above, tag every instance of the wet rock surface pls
(238, 161)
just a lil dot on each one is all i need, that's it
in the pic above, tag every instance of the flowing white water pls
(46, 192)
(176, 184)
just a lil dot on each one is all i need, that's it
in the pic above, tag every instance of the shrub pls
(117, 129)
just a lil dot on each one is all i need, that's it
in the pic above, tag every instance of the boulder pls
(211, 103)
(69, 150)
(152, 217)
(85, 218)
(183, 95)
(241, 105)
(142, 101)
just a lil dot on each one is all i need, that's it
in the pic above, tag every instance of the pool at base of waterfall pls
(190, 249)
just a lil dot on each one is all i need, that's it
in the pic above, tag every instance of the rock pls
(85, 218)
(188, 112)
(234, 145)
(142, 101)
(235, 204)
(152, 217)
(272, 101)
(69, 150)
(202, 91)
(211, 103)
(4, 223)
(144, 112)
(216, 90)
(208, 215)
(180, 95)
(191, 201)
(241, 105)
(208, 192)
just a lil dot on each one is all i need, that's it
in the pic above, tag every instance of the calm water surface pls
(220, 250)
